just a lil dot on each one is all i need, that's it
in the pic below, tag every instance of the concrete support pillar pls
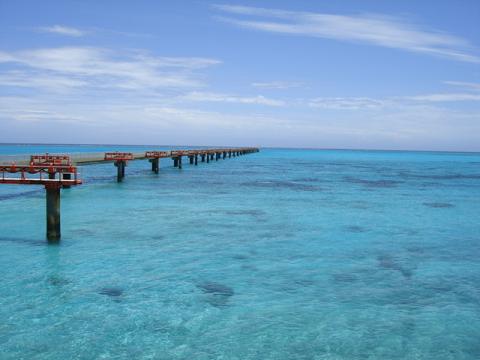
(191, 160)
(203, 157)
(217, 155)
(208, 158)
(196, 159)
(66, 176)
(224, 154)
(120, 170)
(155, 165)
(53, 213)
(211, 156)
(179, 162)
(175, 161)
(229, 154)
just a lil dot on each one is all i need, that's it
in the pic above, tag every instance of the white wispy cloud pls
(101, 68)
(277, 85)
(380, 30)
(49, 82)
(218, 97)
(465, 84)
(346, 103)
(62, 30)
(446, 97)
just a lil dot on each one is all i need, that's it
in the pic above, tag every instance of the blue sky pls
(327, 74)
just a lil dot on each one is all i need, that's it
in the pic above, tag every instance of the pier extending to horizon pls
(57, 171)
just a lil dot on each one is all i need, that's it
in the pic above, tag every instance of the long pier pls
(55, 172)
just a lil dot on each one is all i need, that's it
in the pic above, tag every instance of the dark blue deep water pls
(283, 254)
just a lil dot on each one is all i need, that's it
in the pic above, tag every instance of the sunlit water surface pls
(284, 254)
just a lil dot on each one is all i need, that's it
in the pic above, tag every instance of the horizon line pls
(260, 147)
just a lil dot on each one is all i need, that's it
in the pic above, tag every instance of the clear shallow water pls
(278, 255)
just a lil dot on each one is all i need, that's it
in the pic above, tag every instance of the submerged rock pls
(215, 288)
(344, 278)
(383, 183)
(389, 263)
(111, 291)
(355, 229)
(57, 280)
(439, 205)
(218, 294)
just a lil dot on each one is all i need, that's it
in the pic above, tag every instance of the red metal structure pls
(120, 160)
(157, 154)
(46, 175)
(48, 159)
(121, 156)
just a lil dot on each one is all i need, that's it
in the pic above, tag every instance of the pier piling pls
(120, 170)
(66, 176)
(155, 165)
(53, 212)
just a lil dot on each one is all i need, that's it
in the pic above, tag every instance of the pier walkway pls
(57, 171)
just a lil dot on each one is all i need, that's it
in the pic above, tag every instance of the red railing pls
(48, 159)
(124, 156)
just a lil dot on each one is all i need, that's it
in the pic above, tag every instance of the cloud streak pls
(379, 30)
(62, 30)
(100, 68)
(277, 85)
(346, 103)
(216, 97)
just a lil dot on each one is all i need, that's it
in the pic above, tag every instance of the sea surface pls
(282, 254)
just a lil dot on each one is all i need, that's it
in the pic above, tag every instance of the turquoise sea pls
(282, 254)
